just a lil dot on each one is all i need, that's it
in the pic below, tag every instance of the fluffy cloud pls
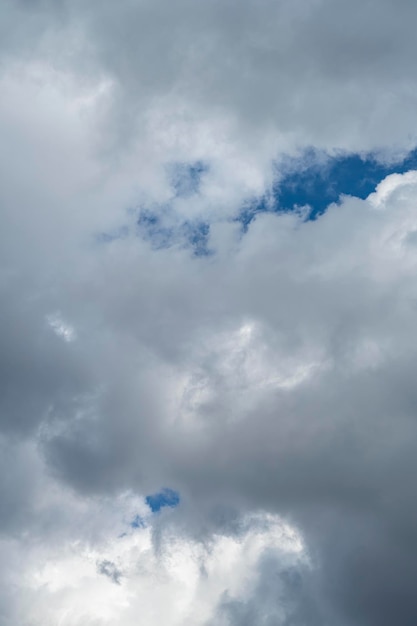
(120, 576)
(267, 375)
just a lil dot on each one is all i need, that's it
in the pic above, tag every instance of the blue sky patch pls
(314, 179)
(166, 497)
(196, 234)
(193, 234)
(151, 225)
(138, 522)
(317, 179)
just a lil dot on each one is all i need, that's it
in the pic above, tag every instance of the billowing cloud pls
(252, 370)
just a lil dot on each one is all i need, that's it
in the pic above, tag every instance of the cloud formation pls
(153, 342)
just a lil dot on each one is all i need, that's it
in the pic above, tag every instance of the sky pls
(208, 318)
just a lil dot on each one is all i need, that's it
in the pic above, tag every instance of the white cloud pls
(65, 580)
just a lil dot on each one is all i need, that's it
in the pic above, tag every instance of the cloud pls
(263, 370)
(86, 577)
(285, 66)
(295, 395)
(109, 569)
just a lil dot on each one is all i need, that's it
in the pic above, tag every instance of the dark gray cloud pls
(39, 372)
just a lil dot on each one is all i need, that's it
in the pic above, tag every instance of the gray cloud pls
(295, 395)
(322, 73)
(281, 596)
(109, 569)
(272, 377)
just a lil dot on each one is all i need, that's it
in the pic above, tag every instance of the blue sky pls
(164, 498)
(317, 180)
(314, 178)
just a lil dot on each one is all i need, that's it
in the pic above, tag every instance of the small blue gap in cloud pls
(185, 178)
(164, 498)
(252, 208)
(192, 234)
(161, 225)
(317, 180)
(196, 235)
(151, 225)
(138, 522)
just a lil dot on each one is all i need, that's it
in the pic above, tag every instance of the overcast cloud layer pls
(267, 374)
